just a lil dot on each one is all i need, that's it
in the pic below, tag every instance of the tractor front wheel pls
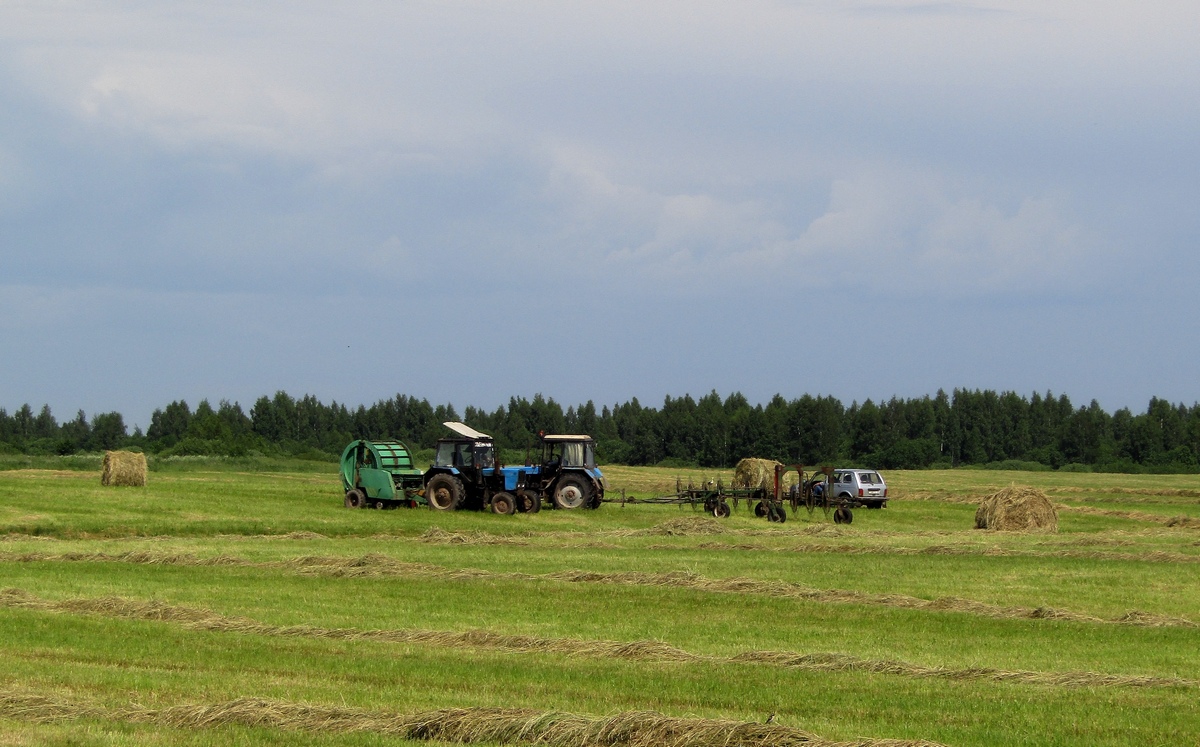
(504, 504)
(572, 492)
(528, 503)
(444, 492)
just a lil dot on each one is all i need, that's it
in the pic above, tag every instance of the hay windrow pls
(456, 725)
(377, 565)
(123, 468)
(439, 536)
(1017, 509)
(686, 526)
(640, 650)
(1170, 521)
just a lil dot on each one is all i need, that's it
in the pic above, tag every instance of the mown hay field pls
(222, 608)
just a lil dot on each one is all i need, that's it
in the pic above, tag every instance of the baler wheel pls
(355, 498)
(504, 504)
(444, 492)
(572, 492)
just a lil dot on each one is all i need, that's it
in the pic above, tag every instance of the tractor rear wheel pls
(572, 492)
(504, 504)
(444, 492)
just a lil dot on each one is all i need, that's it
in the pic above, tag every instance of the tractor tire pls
(572, 491)
(843, 515)
(355, 499)
(529, 503)
(444, 492)
(504, 504)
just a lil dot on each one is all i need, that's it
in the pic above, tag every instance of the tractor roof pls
(567, 438)
(465, 430)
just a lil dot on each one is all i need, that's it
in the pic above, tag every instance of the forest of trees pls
(965, 427)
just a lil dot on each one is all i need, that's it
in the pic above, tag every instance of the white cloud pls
(906, 231)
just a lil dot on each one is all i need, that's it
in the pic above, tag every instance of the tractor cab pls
(466, 454)
(568, 471)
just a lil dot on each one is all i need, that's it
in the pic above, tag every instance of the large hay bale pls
(752, 473)
(1017, 509)
(124, 468)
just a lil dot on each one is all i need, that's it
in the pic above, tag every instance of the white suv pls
(864, 487)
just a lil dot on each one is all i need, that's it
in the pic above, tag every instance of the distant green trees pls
(965, 427)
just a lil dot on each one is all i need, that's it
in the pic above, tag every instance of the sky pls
(469, 200)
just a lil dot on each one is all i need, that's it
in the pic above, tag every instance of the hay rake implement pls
(769, 500)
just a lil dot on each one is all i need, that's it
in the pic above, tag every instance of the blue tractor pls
(466, 475)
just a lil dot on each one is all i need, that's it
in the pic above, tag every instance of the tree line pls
(965, 427)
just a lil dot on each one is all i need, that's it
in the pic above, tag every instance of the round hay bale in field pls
(124, 468)
(1017, 509)
(753, 473)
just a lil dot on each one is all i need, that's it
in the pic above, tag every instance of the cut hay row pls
(1154, 556)
(375, 565)
(1171, 521)
(454, 725)
(642, 650)
(1166, 492)
(439, 536)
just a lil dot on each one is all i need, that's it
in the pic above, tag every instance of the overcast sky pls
(465, 201)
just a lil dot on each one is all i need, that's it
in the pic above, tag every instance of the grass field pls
(221, 607)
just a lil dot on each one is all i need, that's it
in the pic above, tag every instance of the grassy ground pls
(209, 587)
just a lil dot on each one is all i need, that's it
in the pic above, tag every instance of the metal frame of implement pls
(813, 491)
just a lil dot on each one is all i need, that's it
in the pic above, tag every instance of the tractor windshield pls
(445, 454)
(485, 456)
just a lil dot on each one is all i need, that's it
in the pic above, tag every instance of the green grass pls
(1101, 565)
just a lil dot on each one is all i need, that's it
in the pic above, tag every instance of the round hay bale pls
(124, 468)
(753, 473)
(1017, 509)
